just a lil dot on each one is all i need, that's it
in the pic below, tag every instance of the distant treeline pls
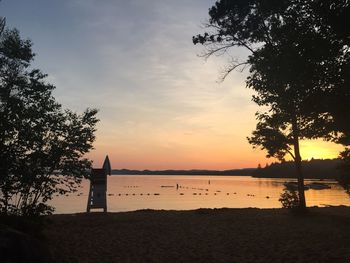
(313, 169)
(246, 171)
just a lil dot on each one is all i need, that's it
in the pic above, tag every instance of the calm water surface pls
(133, 192)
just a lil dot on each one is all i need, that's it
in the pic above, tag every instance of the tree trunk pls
(297, 161)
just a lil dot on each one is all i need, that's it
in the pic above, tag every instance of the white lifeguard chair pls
(98, 187)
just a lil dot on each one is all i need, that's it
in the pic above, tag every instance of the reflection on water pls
(133, 192)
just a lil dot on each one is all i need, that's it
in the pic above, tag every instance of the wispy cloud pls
(135, 61)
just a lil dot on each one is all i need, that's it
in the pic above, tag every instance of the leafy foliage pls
(344, 168)
(41, 144)
(289, 199)
(270, 136)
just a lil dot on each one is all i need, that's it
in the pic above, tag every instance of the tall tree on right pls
(296, 56)
(336, 100)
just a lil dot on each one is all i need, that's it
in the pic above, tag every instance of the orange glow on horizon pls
(165, 162)
(206, 155)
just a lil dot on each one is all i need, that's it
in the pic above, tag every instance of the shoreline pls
(202, 235)
(190, 210)
(228, 175)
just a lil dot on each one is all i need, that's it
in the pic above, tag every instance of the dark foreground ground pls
(219, 235)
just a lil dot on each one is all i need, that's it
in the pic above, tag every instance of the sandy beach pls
(204, 235)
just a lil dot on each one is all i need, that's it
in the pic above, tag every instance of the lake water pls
(134, 192)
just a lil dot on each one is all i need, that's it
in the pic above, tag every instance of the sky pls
(161, 105)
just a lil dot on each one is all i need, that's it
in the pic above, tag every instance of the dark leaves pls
(42, 146)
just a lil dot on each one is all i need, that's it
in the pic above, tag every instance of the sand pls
(205, 235)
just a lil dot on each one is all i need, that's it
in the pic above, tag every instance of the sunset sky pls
(160, 105)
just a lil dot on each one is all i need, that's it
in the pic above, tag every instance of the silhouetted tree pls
(345, 170)
(2, 24)
(333, 102)
(294, 58)
(41, 144)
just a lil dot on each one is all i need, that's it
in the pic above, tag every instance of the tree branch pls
(291, 154)
(231, 68)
